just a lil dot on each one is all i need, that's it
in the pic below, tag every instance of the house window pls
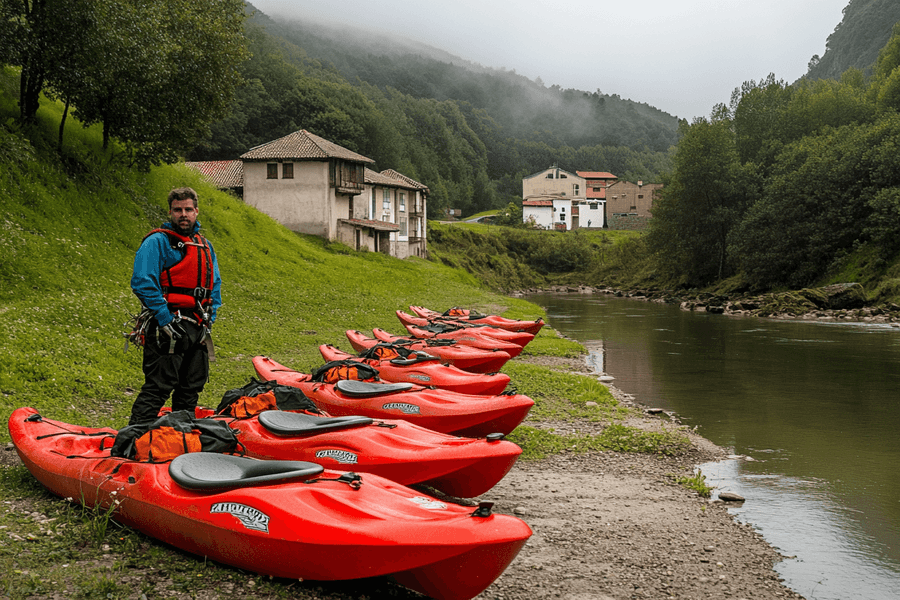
(549, 175)
(404, 229)
(287, 171)
(386, 199)
(402, 201)
(593, 206)
(373, 200)
(575, 189)
(272, 171)
(640, 196)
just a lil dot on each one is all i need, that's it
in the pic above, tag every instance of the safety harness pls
(186, 286)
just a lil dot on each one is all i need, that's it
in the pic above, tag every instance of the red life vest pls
(191, 278)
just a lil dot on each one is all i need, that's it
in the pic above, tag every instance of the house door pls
(357, 239)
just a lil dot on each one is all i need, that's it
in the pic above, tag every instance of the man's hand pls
(173, 330)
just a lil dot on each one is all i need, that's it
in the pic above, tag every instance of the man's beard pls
(182, 227)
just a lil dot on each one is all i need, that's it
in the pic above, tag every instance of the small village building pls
(629, 205)
(389, 218)
(314, 186)
(553, 182)
(304, 182)
(561, 200)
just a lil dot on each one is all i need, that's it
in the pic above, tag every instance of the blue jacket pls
(156, 255)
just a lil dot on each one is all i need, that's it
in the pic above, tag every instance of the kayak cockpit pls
(208, 471)
(281, 422)
(352, 387)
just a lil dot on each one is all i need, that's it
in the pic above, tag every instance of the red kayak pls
(393, 449)
(467, 358)
(520, 338)
(439, 410)
(422, 369)
(468, 337)
(288, 519)
(465, 315)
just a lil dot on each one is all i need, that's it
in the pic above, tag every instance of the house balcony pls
(350, 189)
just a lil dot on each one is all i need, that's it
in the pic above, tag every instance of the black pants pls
(183, 373)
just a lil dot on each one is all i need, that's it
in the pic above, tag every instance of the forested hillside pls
(789, 185)
(470, 134)
(856, 40)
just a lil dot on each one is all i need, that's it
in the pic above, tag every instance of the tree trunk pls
(31, 84)
(62, 123)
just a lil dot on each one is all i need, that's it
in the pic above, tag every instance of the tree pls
(827, 195)
(704, 199)
(155, 73)
(758, 113)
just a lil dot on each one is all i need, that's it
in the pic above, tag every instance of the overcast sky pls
(681, 56)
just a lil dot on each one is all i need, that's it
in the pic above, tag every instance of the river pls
(813, 409)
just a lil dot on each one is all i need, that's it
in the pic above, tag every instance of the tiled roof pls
(302, 145)
(408, 181)
(537, 203)
(376, 178)
(596, 175)
(224, 173)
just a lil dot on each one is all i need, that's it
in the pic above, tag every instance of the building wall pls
(624, 197)
(542, 215)
(591, 215)
(304, 204)
(554, 181)
(628, 222)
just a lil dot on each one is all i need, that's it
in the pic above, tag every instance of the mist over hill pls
(524, 108)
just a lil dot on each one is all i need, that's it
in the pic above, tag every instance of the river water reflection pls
(815, 407)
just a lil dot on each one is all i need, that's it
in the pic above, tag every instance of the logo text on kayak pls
(249, 516)
(342, 456)
(429, 503)
(408, 409)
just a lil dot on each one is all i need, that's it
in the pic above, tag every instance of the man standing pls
(176, 278)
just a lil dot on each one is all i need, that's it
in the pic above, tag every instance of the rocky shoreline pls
(837, 302)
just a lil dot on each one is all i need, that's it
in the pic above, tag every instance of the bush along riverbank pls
(836, 302)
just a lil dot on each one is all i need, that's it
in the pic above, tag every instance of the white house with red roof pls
(562, 200)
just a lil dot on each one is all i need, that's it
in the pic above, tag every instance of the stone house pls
(629, 205)
(314, 186)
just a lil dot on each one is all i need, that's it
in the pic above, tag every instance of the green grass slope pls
(70, 223)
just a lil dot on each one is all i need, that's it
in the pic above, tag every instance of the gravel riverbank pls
(617, 526)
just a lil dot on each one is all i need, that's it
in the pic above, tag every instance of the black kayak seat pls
(208, 471)
(281, 422)
(413, 358)
(353, 387)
